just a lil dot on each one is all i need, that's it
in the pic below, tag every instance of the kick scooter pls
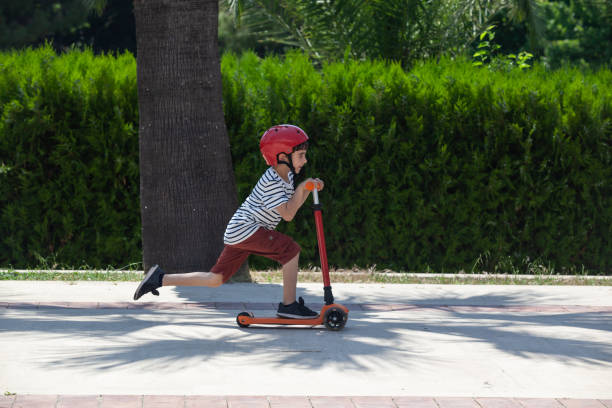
(333, 315)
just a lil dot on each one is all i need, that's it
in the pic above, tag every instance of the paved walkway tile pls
(163, 401)
(551, 309)
(539, 403)
(205, 401)
(247, 402)
(331, 402)
(230, 305)
(373, 402)
(447, 402)
(261, 306)
(200, 305)
(415, 402)
(289, 402)
(581, 403)
(498, 403)
(121, 401)
(6, 401)
(73, 401)
(35, 401)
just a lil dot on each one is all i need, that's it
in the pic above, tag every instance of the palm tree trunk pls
(187, 189)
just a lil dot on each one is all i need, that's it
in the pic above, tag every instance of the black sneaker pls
(150, 283)
(296, 311)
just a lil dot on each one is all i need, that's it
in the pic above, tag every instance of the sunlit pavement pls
(86, 344)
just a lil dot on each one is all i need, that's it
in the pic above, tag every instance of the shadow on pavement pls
(105, 339)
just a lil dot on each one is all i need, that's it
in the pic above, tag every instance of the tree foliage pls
(31, 22)
(397, 30)
(578, 31)
(103, 25)
(554, 31)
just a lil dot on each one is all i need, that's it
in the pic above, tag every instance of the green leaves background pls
(443, 167)
(69, 142)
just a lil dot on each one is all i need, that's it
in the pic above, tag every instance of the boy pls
(252, 228)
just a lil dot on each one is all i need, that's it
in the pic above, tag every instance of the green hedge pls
(442, 168)
(69, 160)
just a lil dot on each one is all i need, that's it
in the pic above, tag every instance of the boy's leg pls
(281, 248)
(290, 277)
(227, 264)
(157, 278)
(278, 246)
(289, 307)
(209, 279)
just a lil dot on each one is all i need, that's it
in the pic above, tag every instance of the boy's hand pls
(288, 209)
(316, 182)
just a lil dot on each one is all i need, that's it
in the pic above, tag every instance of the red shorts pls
(269, 243)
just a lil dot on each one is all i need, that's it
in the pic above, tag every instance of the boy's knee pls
(293, 249)
(292, 256)
(216, 280)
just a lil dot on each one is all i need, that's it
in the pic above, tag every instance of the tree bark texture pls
(187, 186)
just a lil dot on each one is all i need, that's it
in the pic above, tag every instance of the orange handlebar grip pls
(311, 186)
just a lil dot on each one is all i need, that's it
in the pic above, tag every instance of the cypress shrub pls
(442, 168)
(69, 157)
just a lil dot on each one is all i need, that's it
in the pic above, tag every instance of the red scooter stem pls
(322, 250)
(328, 296)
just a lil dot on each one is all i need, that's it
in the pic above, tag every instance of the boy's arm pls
(291, 207)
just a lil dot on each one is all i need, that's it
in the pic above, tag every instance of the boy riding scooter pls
(252, 228)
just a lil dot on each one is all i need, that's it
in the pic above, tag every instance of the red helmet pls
(280, 139)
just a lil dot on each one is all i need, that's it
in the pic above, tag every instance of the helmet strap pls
(290, 165)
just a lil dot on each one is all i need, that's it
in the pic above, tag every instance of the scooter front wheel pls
(335, 318)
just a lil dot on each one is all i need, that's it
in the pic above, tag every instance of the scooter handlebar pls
(310, 186)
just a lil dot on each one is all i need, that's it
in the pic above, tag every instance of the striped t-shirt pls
(258, 209)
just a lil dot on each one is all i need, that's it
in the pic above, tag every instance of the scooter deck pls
(246, 319)
(280, 320)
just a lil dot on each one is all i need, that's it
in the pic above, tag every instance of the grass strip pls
(275, 276)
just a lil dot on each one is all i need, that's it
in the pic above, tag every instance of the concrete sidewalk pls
(482, 295)
(477, 343)
(206, 401)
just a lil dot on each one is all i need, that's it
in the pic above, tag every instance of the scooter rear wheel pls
(238, 319)
(335, 318)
